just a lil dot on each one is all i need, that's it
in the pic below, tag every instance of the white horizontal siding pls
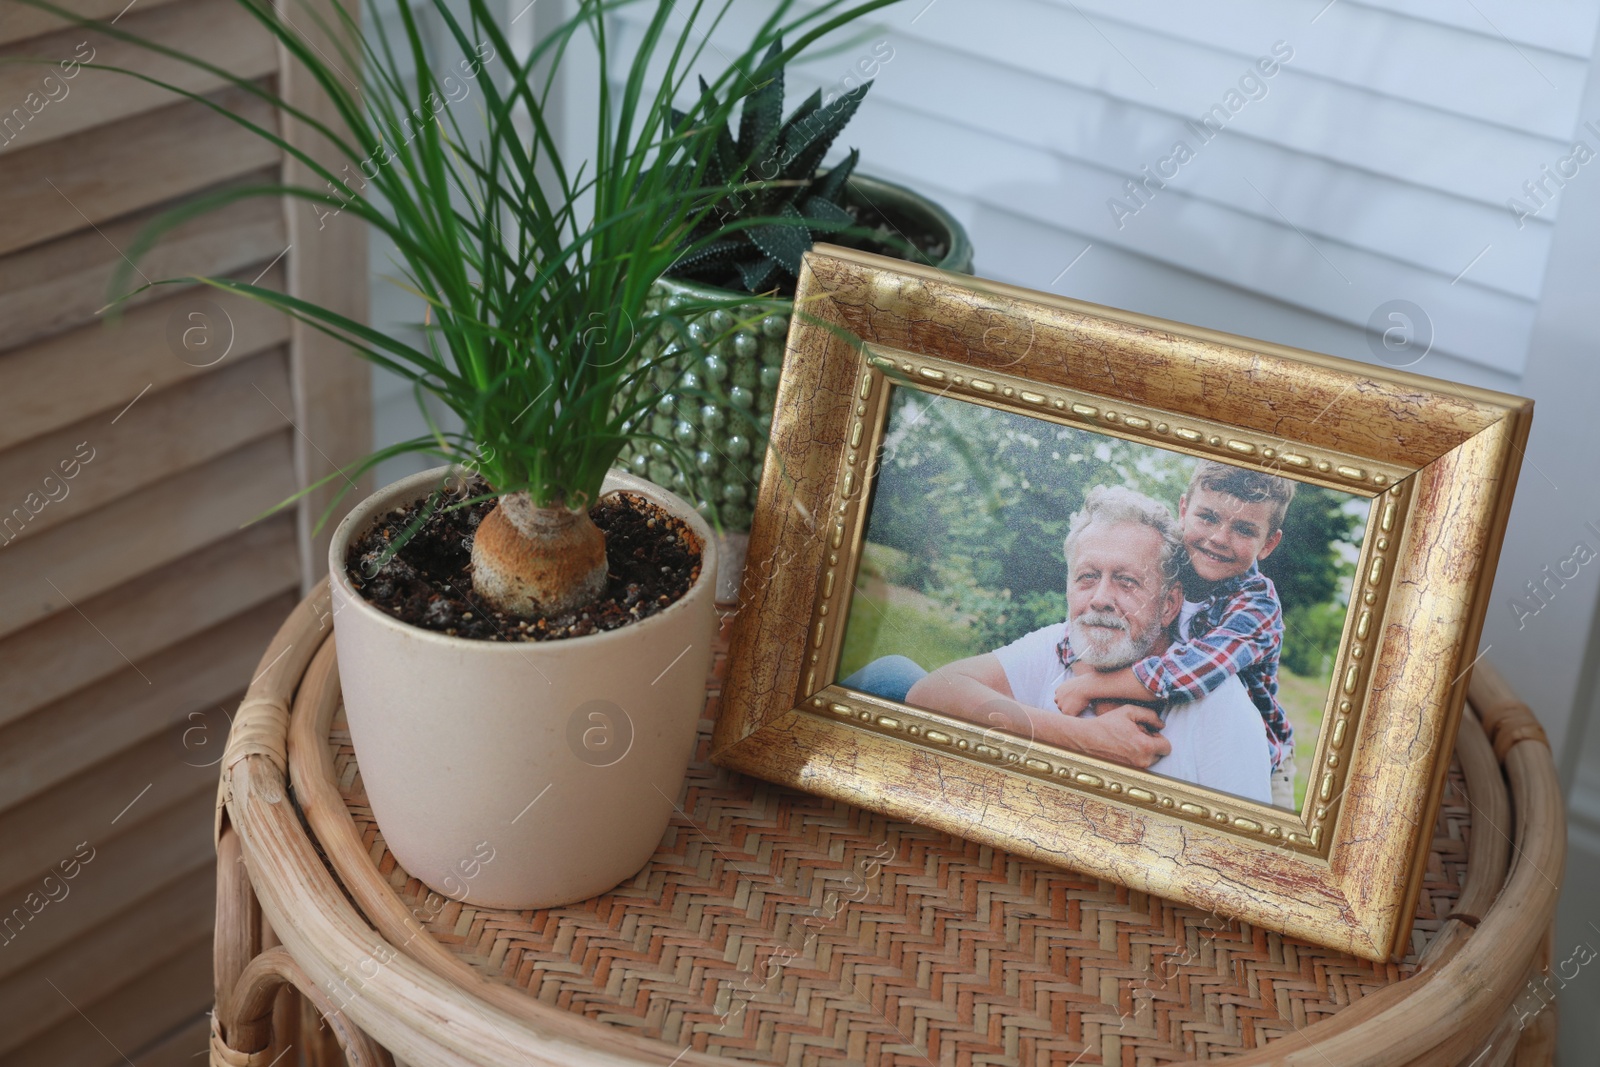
(1378, 165)
(1212, 240)
(1469, 71)
(1038, 256)
(1407, 221)
(1047, 258)
(1566, 26)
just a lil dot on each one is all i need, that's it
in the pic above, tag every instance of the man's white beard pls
(1102, 639)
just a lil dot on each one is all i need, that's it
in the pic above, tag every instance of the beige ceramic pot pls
(522, 774)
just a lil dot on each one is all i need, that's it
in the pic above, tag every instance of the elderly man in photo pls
(1123, 595)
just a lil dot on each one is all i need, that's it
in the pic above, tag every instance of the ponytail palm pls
(535, 270)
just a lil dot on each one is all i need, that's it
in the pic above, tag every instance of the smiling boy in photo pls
(1231, 624)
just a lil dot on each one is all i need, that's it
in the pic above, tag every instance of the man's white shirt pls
(1190, 609)
(1218, 741)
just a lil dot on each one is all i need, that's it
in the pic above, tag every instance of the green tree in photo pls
(1307, 566)
(1311, 637)
(975, 502)
(979, 500)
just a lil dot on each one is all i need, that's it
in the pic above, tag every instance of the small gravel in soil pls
(889, 233)
(652, 559)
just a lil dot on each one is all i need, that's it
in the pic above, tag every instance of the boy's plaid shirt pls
(1238, 630)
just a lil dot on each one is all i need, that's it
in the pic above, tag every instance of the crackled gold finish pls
(884, 368)
(1438, 462)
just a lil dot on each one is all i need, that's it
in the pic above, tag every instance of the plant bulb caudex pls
(529, 560)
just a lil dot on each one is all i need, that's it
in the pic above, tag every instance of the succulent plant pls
(781, 203)
(719, 414)
(726, 400)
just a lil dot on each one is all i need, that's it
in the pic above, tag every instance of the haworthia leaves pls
(781, 197)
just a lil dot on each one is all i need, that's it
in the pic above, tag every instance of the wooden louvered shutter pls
(134, 600)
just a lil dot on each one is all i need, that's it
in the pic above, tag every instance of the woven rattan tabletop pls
(779, 927)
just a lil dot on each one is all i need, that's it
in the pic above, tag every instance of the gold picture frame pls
(1438, 461)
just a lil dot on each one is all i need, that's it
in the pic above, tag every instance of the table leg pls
(265, 1003)
(318, 1042)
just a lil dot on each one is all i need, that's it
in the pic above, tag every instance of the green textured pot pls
(744, 370)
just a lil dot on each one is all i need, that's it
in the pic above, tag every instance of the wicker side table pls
(777, 927)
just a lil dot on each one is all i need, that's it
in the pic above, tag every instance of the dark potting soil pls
(892, 233)
(652, 559)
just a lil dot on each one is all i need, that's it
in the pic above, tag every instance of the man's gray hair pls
(1118, 503)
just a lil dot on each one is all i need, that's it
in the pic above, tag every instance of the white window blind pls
(1407, 150)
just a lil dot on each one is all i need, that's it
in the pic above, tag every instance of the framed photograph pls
(1186, 611)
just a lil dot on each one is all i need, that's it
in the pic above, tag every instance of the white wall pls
(395, 412)
(1546, 644)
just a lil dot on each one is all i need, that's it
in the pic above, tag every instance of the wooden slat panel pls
(169, 430)
(184, 1048)
(133, 1016)
(176, 844)
(99, 368)
(126, 945)
(219, 31)
(62, 284)
(63, 738)
(99, 551)
(102, 173)
(138, 601)
(84, 805)
(154, 611)
(23, 22)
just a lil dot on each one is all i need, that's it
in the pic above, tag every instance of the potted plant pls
(524, 632)
(721, 413)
